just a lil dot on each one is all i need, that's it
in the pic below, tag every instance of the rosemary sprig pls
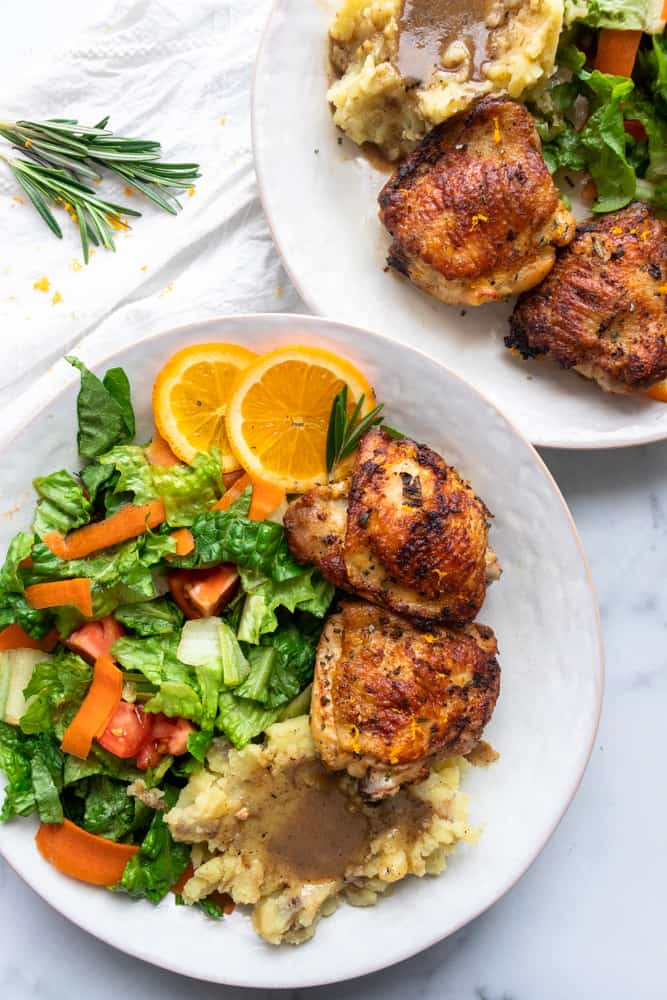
(63, 155)
(346, 430)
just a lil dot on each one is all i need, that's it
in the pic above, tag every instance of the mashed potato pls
(276, 831)
(374, 101)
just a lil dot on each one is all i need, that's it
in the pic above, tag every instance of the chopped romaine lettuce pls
(158, 617)
(57, 688)
(33, 766)
(230, 536)
(109, 811)
(187, 490)
(160, 861)
(241, 719)
(308, 591)
(63, 506)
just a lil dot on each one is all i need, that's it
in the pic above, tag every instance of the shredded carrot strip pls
(179, 886)
(82, 855)
(159, 452)
(265, 497)
(96, 708)
(128, 522)
(13, 637)
(617, 51)
(75, 592)
(185, 543)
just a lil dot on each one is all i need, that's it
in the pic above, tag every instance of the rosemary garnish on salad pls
(346, 430)
(64, 157)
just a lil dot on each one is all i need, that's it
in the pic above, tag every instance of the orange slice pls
(190, 399)
(278, 413)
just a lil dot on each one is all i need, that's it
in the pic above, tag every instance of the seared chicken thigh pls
(474, 213)
(603, 308)
(388, 699)
(406, 533)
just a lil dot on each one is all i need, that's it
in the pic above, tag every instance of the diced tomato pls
(201, 593)
(168, 736)
(95, 639)
(635, 129)
(148, 756)
(128, 730)
(172, 734)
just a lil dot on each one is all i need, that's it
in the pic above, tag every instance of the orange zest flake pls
(191, 191)
(476, 219)
(497, 137)
(117, 223)
(643, 236)
(76, 265)
(57, 297)
(42, 284)
(662, 289)
(28, 143)
(129, 191)
(19, 199)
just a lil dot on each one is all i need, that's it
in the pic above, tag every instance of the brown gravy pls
(428, 27)
(305, 828)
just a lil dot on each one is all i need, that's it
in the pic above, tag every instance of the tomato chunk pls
(168, 736)
(201, 593)
(128, 730)
(95, 639)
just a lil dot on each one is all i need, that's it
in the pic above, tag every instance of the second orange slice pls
(278, 413)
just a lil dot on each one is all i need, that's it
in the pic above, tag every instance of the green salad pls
(188, 671)
(612, 125)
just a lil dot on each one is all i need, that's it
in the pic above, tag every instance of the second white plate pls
(319, 194)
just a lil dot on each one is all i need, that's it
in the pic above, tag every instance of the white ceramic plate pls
(543, 611)
(320, 194)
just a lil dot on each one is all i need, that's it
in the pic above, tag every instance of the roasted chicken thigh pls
(603, 308)
(406, 532)
(474, 213)
(388, 699)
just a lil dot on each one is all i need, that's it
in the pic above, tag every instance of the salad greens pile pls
(612, 127)
(231, 675)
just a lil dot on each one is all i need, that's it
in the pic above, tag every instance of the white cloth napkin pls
(175, 70)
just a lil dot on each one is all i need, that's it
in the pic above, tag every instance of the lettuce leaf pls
(160, 861)
(104, 410)
(308, 591)
(623, 14)
(158, 617)
(33, 766)
(178, 692)
(241, 719)
(63, 505)
(109, 811)
(19, 549)
(230, 536)
(187, 490)
(57, 688)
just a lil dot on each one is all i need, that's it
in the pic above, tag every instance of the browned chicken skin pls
(388, 699)
(406, 533)
(474, 213)
(603, 308)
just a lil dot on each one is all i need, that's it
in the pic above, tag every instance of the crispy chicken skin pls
(603, 308)
(388, 699)
(474, 213)
(406, 533)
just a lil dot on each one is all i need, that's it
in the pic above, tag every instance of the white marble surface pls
(588, 918)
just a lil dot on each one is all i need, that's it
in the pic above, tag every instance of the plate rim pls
(565, 444)
(102, 354)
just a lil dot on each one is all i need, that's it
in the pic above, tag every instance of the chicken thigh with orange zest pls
(388, 699)
(474, 213)
(406, 532)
